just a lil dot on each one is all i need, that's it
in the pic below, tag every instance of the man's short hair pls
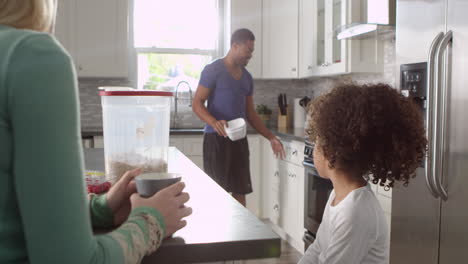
(242, 35)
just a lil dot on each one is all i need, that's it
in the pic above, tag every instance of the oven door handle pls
(308, 237)
(308, 164)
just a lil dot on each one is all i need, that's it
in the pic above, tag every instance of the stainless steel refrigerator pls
(430, 216)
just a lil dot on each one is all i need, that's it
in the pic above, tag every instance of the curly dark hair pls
(371, 130)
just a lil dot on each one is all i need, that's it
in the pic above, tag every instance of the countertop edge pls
(296, 134)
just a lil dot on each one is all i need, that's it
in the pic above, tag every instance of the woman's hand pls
(170, 203)
(118, 197)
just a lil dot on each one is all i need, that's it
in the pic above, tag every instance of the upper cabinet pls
(280, 38)
(296, 38)
(333, 56)
(306, 44)
(63, 25)
(96, 35)
(248, 14)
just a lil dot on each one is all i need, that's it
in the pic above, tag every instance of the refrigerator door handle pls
(441, 110)
(431, 71)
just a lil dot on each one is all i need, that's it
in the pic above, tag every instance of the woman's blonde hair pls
(28, 14)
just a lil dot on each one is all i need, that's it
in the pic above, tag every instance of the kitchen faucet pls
(176, 98)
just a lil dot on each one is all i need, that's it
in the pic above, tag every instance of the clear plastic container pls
(236, 129)
(136, 131)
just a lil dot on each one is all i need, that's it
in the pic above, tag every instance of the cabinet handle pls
(80, 68)
(276, 207)
(293, 69)
(309, 67)
(294, 152)
(276, 173)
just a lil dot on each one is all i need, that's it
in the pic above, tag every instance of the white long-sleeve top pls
(352, 232)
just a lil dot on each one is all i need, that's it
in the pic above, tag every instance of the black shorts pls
(227, 162)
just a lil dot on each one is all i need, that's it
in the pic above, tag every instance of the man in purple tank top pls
(228, 88)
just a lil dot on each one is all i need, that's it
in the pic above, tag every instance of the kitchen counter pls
(297, 134)
(97, 131)
(219, 229)
(288, 134)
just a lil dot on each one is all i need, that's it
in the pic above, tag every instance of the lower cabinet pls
(254, 202)
(283, 193)
(385, 200)
(192, 147)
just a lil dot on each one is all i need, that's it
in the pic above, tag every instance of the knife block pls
(284, 120)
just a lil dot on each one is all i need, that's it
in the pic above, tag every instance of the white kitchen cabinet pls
(193, 149)
(299, 230)
(333, 56)
(289, 197)
(306, 39)
(254, 199)
(248, 14)
(269, 178)
(64, 28)
(190, 145)
(288, 39)
(283, 191)
(280, 38)
(96, 35)
(284, 36)
(178, 142)
(385, 200)
(198, 160)
(293, 206)
(193, 145)
(98, 142)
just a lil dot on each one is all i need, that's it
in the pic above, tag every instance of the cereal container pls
(136, 131)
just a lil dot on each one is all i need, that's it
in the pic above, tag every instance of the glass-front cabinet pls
(320, 31)
(337, 22)
(330, 51)
(333, 56)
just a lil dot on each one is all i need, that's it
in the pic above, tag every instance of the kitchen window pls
(174, 40)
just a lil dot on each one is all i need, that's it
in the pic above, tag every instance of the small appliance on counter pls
(136, 131)
(300, 111)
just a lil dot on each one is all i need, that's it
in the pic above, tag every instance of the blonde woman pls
(45, 215)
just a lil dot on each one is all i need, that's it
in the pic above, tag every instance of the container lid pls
(116, 88)
(135, 93)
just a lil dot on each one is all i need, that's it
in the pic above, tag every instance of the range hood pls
(377, 17)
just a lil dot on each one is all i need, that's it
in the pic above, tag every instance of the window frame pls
(135, 51)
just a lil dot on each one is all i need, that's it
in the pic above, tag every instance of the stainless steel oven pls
(317, 190)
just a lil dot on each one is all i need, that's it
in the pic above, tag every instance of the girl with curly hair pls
(362, 133)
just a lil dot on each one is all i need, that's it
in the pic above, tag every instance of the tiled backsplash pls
(90, 102)
(265, 92)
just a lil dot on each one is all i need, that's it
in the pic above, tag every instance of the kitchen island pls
(219, 229)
